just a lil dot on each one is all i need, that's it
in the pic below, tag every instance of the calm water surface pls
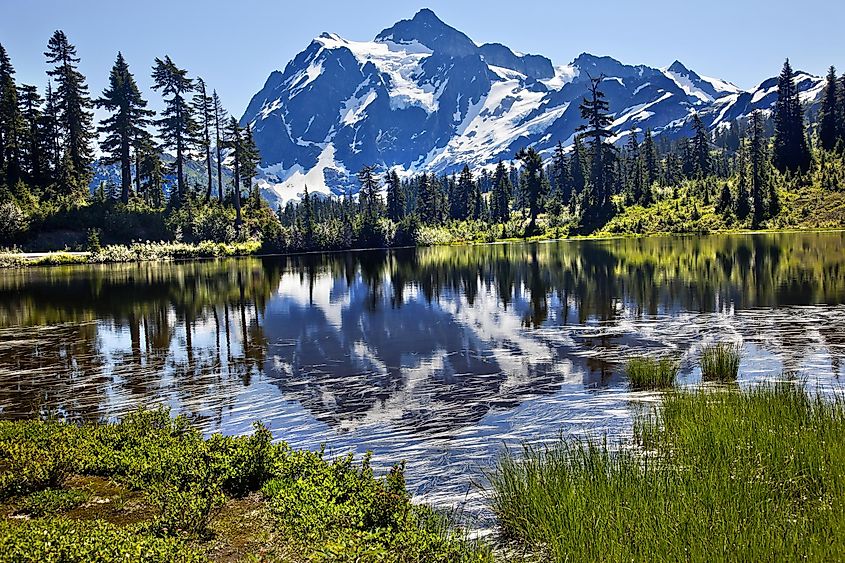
(439, 356)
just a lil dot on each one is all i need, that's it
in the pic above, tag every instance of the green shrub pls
(720, 362)
(651, 373)
(59, 540)
(52, 501)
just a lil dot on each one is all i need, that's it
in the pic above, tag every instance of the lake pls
(439, 356)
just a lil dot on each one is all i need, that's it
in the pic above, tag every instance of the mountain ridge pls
(423, 96)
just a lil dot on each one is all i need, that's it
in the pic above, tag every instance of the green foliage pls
(326, 510)
(720, 362)
(727, 475)
(60, 540)
(52, 501)
(651, 373)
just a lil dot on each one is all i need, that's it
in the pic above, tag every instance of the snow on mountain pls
(423, 96)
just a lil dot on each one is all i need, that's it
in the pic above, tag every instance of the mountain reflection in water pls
(439, 356)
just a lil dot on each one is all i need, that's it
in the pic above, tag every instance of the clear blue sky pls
(234, 45)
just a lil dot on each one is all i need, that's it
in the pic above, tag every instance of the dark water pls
(438, 356)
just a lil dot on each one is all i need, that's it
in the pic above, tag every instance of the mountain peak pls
(678, 68)
(429, 30)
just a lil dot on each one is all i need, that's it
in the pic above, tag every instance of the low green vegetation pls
(652, 373)
(152, 488)
(720, 475)
(720, 362)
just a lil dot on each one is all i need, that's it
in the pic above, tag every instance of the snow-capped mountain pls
(423, 96)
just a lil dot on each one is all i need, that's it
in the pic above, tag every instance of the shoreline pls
(207, 250)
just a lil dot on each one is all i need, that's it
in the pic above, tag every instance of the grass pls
(720, 362)
(713, 475)
(652, 373)
(153, 488)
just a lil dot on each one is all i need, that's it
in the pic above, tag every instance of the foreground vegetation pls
(152, 488)
(716, 475)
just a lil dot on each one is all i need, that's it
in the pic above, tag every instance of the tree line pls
(740, 169)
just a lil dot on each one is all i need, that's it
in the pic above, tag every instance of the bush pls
(13, 222)
(70, 541)
(720, 362)
(52, 501)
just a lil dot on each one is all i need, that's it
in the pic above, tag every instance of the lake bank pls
(756, 473)
(168, 251)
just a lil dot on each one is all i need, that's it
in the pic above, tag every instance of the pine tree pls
(829, 112)
(219, 121)
(50, 135)
(534, 182)
(369, 199)
(500, 200)
(249, 160)
(307, 218)
(758, 174)
(596, 203)
(651, 168)
(427, 200)
(790, 151)
(75, 117)
(177, 125)
(203, 108)
(395, 196)
(725, 203)
(30, 110)
(234, 141)
(700, 147)
(576, 170)
(634, 169)
(11, 124)
(125, 125)
(741, 203)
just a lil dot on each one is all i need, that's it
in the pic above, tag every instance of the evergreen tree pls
(758, 173)
(500, 205)
(596, 204)
(724, 205)
(560, 174)
(75, 117)
(50, 135)
(829, 112)
(634, 173)
(651, 168)
(234, 141)
(700, 148)
(177, 125)
(307, 217)
(534, 182)
(219, 121)
(11, 124)
(427, 200)
(576, 170)
(125, 125)
(30, 110)
(395, 196)
(250, 158)
(203, 108)
(369, 199)
(791, 151)
(742, 207)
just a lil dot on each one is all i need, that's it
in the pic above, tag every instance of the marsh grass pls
(720, 362)
(652, 373)
(721, 475)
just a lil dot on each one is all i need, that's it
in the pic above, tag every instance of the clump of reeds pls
(652, 373)
(720, 362)
(743, 475)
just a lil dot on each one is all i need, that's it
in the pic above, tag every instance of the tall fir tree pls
(395, 196)
(11, 124)
(790, 149)
(33, 158)
(700, 148)
(534, 182)
(219, 123)
(427, 199)
(828, 124)
(758, 174)
(651, 168)
(369, 199)
(127, 123)
(500, 199)
(203, 107)
(75, 116)
(234, 141)
(596, 204)
(177, 125)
